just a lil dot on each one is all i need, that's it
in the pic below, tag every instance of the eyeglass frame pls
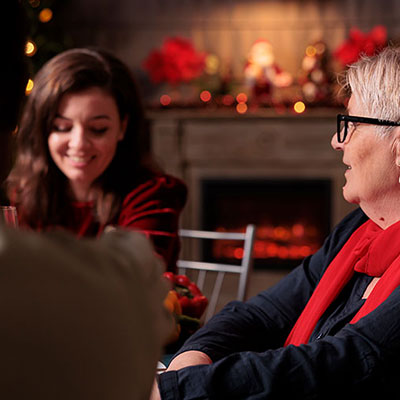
(362, 120)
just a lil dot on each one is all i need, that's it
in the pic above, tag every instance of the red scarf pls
(370, 250)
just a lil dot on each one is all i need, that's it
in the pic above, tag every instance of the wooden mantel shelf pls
(220, 113)
(222, 144)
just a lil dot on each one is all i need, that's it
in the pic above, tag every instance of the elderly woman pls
(331, 327)
(81, 161)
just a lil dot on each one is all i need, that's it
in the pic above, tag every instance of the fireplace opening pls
(292, 218)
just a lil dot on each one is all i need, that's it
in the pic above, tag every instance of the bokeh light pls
(30, 48)
(241, 98)
(311, 51)
(228, 100)
(238, 253)
(299, 107)
(241, 108)
(29, 87)
(165, 100)
(45, 15)
(205, 96)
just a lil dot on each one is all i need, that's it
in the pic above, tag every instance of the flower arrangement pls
(196, 79)
(175, 62)
(360, 43)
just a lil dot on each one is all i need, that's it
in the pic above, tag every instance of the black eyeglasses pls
(343, 124)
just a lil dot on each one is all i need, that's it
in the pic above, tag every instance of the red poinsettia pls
(360, 43)
(176, 61)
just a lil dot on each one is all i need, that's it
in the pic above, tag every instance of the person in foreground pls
(81, 319)
(330, 328)
(82, 163)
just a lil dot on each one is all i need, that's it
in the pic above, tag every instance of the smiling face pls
(84, 137)
(371, 174)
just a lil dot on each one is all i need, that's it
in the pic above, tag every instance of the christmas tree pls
(46, 38)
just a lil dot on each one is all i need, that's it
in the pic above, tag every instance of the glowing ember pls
(283, 242)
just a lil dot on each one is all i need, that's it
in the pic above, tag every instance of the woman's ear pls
(397, 153)
(124, 125)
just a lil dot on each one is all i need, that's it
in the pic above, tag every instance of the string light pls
(241, 108)
(241, 98)
(311, 51)
(205, 96)
(299, 107)
(45, 15)
(228, 100)
(29, 87)
(165, 100)
(30, 48)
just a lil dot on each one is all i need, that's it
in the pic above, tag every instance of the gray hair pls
(375, 81)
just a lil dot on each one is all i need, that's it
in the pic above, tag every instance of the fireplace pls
(278, 172)
(292, 218)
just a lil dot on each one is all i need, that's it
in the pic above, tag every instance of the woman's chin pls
(349, 196)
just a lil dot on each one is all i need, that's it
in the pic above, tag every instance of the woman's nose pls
(78, 138)
(335, 144)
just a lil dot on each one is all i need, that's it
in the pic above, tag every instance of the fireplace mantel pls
(214, 144)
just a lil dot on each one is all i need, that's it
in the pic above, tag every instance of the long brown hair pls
(36, 184)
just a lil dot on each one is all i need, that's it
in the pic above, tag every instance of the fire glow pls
(283, 242)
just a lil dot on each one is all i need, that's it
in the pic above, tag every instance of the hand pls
(110, 228)
(189, 358)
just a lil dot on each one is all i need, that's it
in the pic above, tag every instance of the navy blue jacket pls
(245, 342)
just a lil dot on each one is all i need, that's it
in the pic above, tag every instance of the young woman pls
(81, 162)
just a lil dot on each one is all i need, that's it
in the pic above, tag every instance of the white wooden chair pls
(243, 269)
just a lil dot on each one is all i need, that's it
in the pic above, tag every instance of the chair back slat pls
(201, 277)
(215, 295)
(203, 267)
